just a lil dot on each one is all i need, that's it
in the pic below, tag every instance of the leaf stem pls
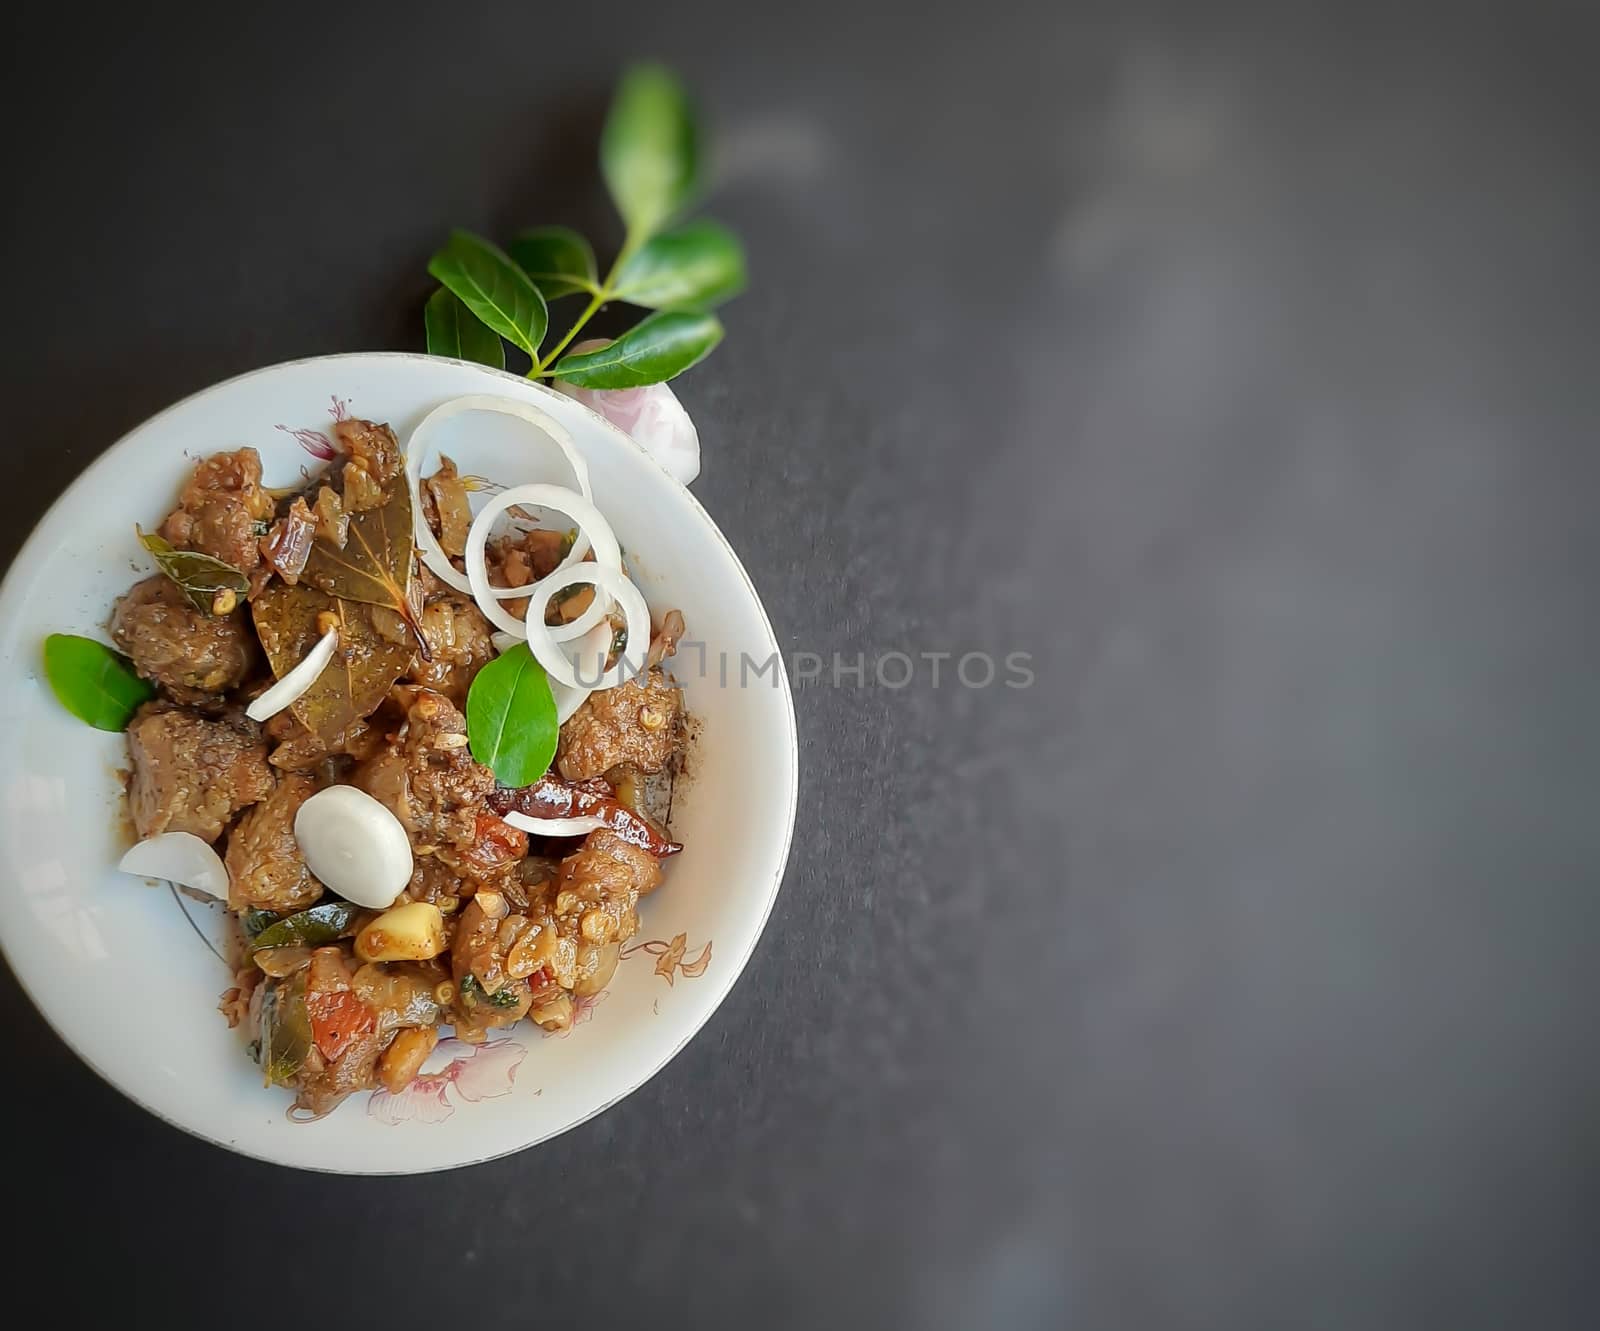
(595, 302)
(602, 293)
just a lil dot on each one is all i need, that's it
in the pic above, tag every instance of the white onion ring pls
(289, 689)
(553, 826)
(179, 857)
(607, 553)
(603, 578)
(432, 553)
(589, 661)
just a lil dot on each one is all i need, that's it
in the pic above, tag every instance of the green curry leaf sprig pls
(650, 157)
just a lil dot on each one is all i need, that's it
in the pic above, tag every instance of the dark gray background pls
(1237, 362)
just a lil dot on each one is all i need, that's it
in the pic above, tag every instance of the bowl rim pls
(12, 584)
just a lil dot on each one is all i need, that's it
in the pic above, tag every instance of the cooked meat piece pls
(458, 637)
(434, 881)
(400, 994)
(361, 492)
(568, 937)
(597, 889)
(496, 847)
(446, 508)
(492, 961)
(266, 870)
(428, 778)
(372, 447)
(287, 544)
(523, 557)
(333, 523)
(372, 459)
(223, 511)
(192, 774)
(192, 655)
(346, 1040)
(638, 724)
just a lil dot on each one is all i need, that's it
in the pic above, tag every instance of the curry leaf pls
(649, 149)
(361, 673)
(557, 259)
(694, 266)
(375, 564)
(662, 346)
(93, 682)
(493, 288)
(212, 586)
(511, 718)
(311, 927)
(453, 330)
(285, 1028)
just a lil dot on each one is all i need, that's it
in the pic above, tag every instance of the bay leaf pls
(361, 673)
(212, 586)
(376, 562)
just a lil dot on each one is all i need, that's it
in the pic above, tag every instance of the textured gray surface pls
(1237, 366)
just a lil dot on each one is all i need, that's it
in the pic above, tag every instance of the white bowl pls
(114, 964)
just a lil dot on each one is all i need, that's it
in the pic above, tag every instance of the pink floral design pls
(582, 1011)
(314, 442)
(669, 957)
(476, 1071)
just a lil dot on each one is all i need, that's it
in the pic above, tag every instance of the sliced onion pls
(417, 450)
(297, 681)
(503, 642)
(604, 578)
(179, 857)
(554, 826)
(588, 657)
(607, 553)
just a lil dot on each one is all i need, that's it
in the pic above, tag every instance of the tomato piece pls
(496, 845)
(336, 1019)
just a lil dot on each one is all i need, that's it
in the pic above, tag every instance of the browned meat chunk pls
(191, 774)
(223, 511)
(597, 889)
(567, 941)
(434, 881)
(638, 724)
(526, 556)
(372, 447)
(494, 851)
(492, 962)
(333, 523)
(427, 777)
(287, 545)
(373, 459)
(458, 637)
(265, 868)
(446, 508)
(345, 1039)
(192, 655)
